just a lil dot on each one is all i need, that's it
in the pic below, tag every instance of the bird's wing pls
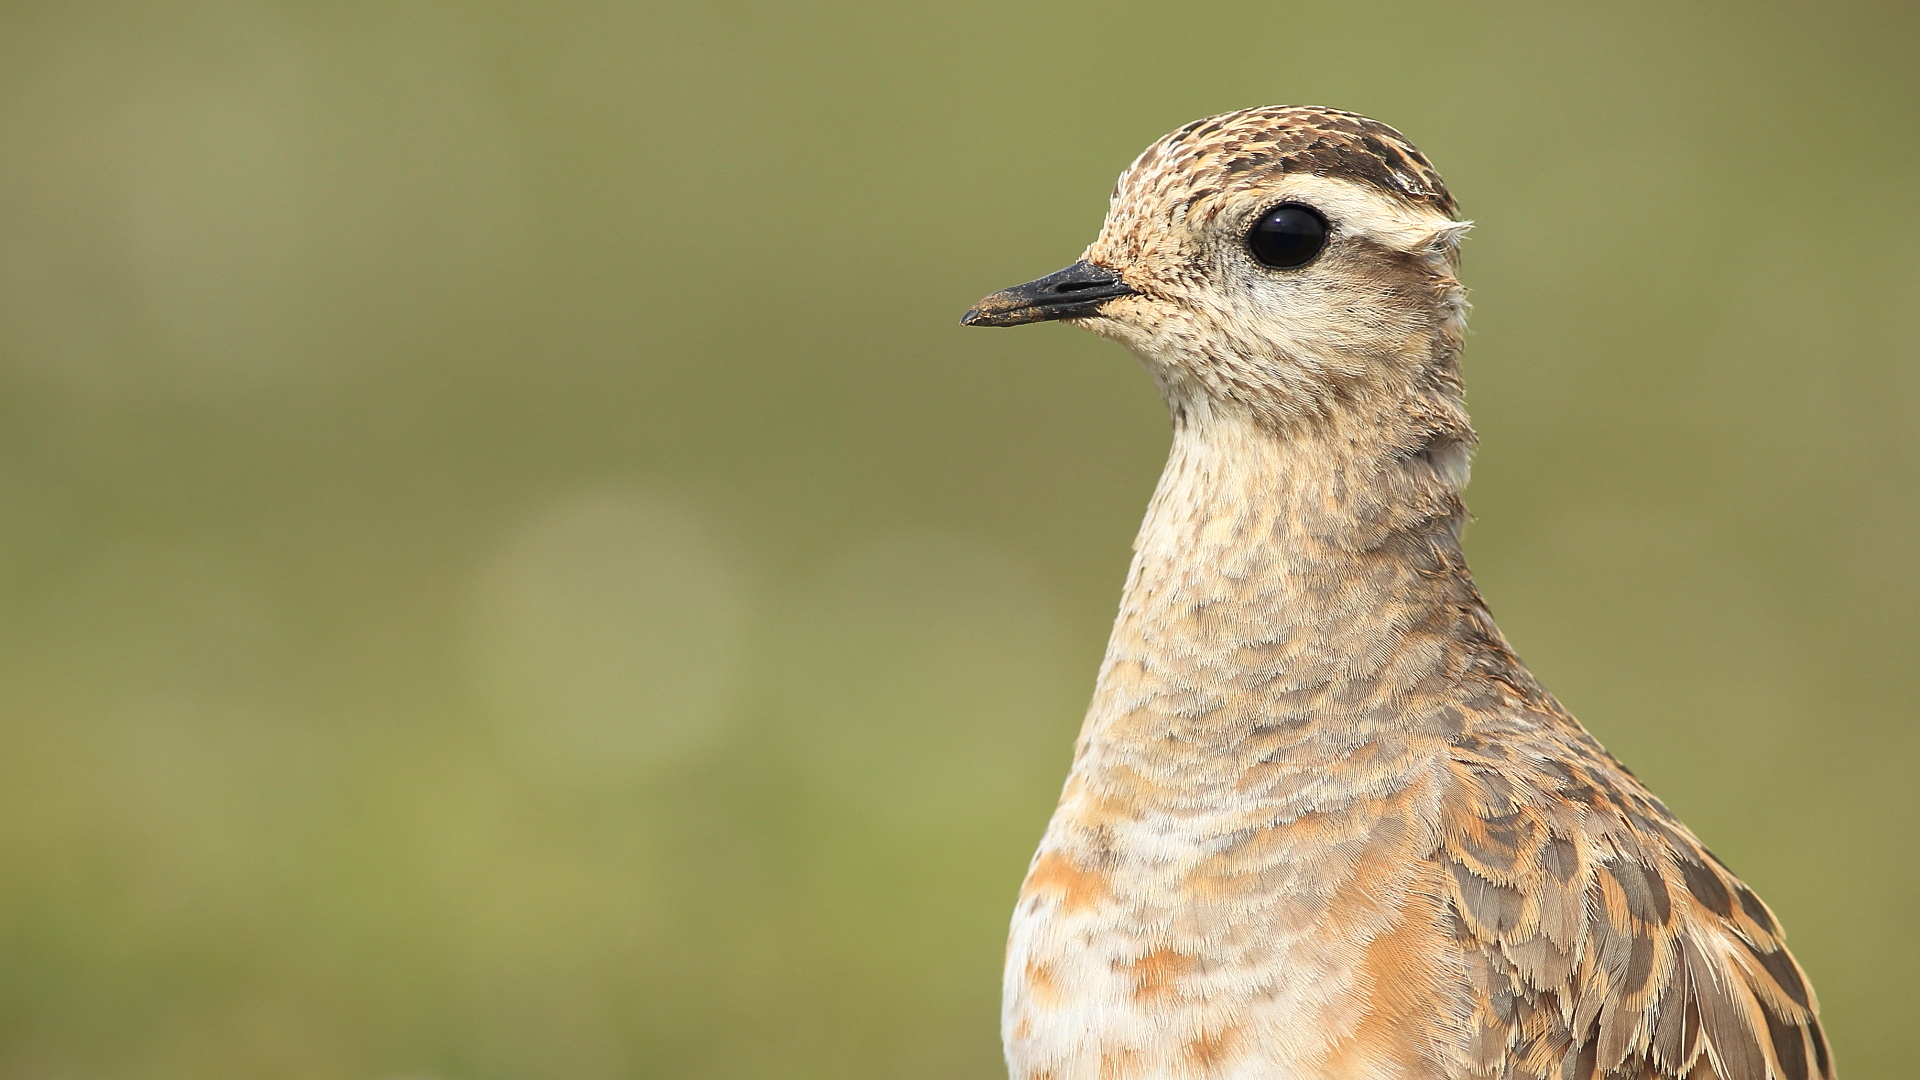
(1602, 940)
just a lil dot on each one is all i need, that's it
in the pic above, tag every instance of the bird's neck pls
(1307, 580)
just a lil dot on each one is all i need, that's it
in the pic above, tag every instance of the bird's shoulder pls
(1601, 938)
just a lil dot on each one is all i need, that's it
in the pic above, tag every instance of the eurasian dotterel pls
(1321, 822)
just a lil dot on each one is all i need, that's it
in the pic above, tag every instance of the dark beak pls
(1078, 290)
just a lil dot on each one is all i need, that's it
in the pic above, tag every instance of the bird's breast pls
(1179, 931)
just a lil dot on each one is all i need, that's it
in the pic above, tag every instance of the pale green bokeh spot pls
(929, 681)
(609, 633)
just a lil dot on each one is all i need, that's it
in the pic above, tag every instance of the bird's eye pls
(1288, 236)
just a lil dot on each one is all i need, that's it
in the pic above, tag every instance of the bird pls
(1321, 823)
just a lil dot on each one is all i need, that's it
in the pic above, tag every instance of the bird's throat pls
(1289, 589)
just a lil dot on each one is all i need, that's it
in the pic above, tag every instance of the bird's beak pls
(1078, 290)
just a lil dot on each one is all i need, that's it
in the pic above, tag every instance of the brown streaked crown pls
(1239, 148)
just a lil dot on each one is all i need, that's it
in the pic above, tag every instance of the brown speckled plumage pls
(1254, 145)
(1321, 822)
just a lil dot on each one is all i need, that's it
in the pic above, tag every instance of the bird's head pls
(1274, 260)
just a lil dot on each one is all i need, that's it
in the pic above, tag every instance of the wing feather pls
(1604, 941)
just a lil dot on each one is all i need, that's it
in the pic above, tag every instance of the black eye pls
(1289, 236)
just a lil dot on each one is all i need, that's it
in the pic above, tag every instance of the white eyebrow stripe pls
(1362, 210)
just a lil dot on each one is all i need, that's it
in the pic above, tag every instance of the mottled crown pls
(1241, 148)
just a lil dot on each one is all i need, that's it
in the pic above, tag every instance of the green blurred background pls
(510, 569)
